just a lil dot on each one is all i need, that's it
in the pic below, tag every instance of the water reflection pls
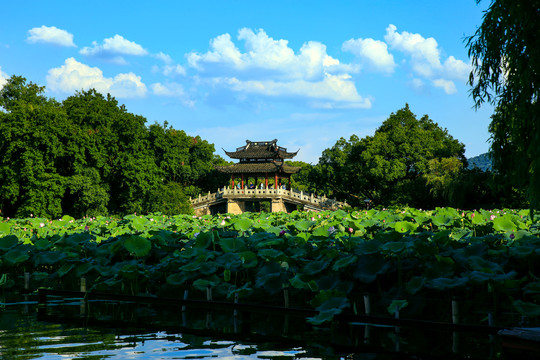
(75, 329)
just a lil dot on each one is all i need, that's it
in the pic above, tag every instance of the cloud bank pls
(270, 68)
(50, 35)
(73, 76)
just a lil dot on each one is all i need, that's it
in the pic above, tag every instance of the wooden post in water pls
(286, 297)
(27, 281)
(83, 285)
(208, 293)
(186, 294)
(367, 305)
(455, 312)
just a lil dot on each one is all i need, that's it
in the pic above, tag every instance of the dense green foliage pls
(407, 161)
(506, 72)
(404, 258)
(89, 156)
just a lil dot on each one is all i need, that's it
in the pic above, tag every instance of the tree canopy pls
(505, 51)
(89, 156)
(406, 161)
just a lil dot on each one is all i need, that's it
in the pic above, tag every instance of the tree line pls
(87, 155)
(408, 161)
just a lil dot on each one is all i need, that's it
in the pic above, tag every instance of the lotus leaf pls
(48, 257)
(368, 247)
(321, 231)
(480, 264)
(234, 244)
(504, 223)
(405, 226)
(249, 259)
(315, 267)
(396, 306)
(177, 279)
(83, 269)
(323, 316)
(4, 228)
(415, 284)
(203, 284)
(344, 262)
(271, 254)
(242, 224)
(527, 308)
(16, 256)
(64, 269)
(369, 267)
(230, 261)
(204, 240)
(42, 244)
(447, 283)
(270, 242)
(7, 242)
(137, 245)
(304, 225)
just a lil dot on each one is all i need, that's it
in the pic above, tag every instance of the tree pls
(394, 165)
(33, 131)
(505, 53)
(89, 156)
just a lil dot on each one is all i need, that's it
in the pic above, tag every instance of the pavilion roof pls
(261, 150)
(259, 168)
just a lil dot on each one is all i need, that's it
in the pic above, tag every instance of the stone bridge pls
(237, 201)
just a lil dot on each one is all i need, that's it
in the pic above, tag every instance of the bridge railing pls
(320, 201)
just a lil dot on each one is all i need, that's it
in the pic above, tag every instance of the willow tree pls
(505, 52)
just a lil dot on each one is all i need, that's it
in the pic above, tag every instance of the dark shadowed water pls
(73, 329)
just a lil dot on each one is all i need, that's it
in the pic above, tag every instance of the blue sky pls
(303, 72)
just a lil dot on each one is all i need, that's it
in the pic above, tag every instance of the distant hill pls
(482, 162)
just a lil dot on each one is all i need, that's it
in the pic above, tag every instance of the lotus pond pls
(398, 262)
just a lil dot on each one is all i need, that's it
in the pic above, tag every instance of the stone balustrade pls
(321, 202)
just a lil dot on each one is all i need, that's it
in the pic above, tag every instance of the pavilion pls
(260, 160)
(263, 161)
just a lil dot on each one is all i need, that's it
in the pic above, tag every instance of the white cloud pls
(172, 90)
(456, 69)
(174, 70)
(271, 68)
(51, 35)
(425, 59)
(373, 52)
(3, 78)
(73, 76)
(163, 57)
(447, 85)
(113, 49)
(333, 92)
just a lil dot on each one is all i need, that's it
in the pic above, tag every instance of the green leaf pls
(405, 226)
(303, 225)
(527, 308)
(7, 242)
(344, 262)
(397, 305)
(315, 267)
(504, 223)
(137, 245)
(16, 256)
(232, 244)
(242, 225)
(204, 239)
(415, 284)
(64, 269)
(5, 227)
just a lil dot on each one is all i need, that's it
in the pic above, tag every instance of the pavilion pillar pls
(232, 181)
(275, 181)
(242, 180)
(266, 181)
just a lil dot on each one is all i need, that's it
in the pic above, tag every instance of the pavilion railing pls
(299, 195)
